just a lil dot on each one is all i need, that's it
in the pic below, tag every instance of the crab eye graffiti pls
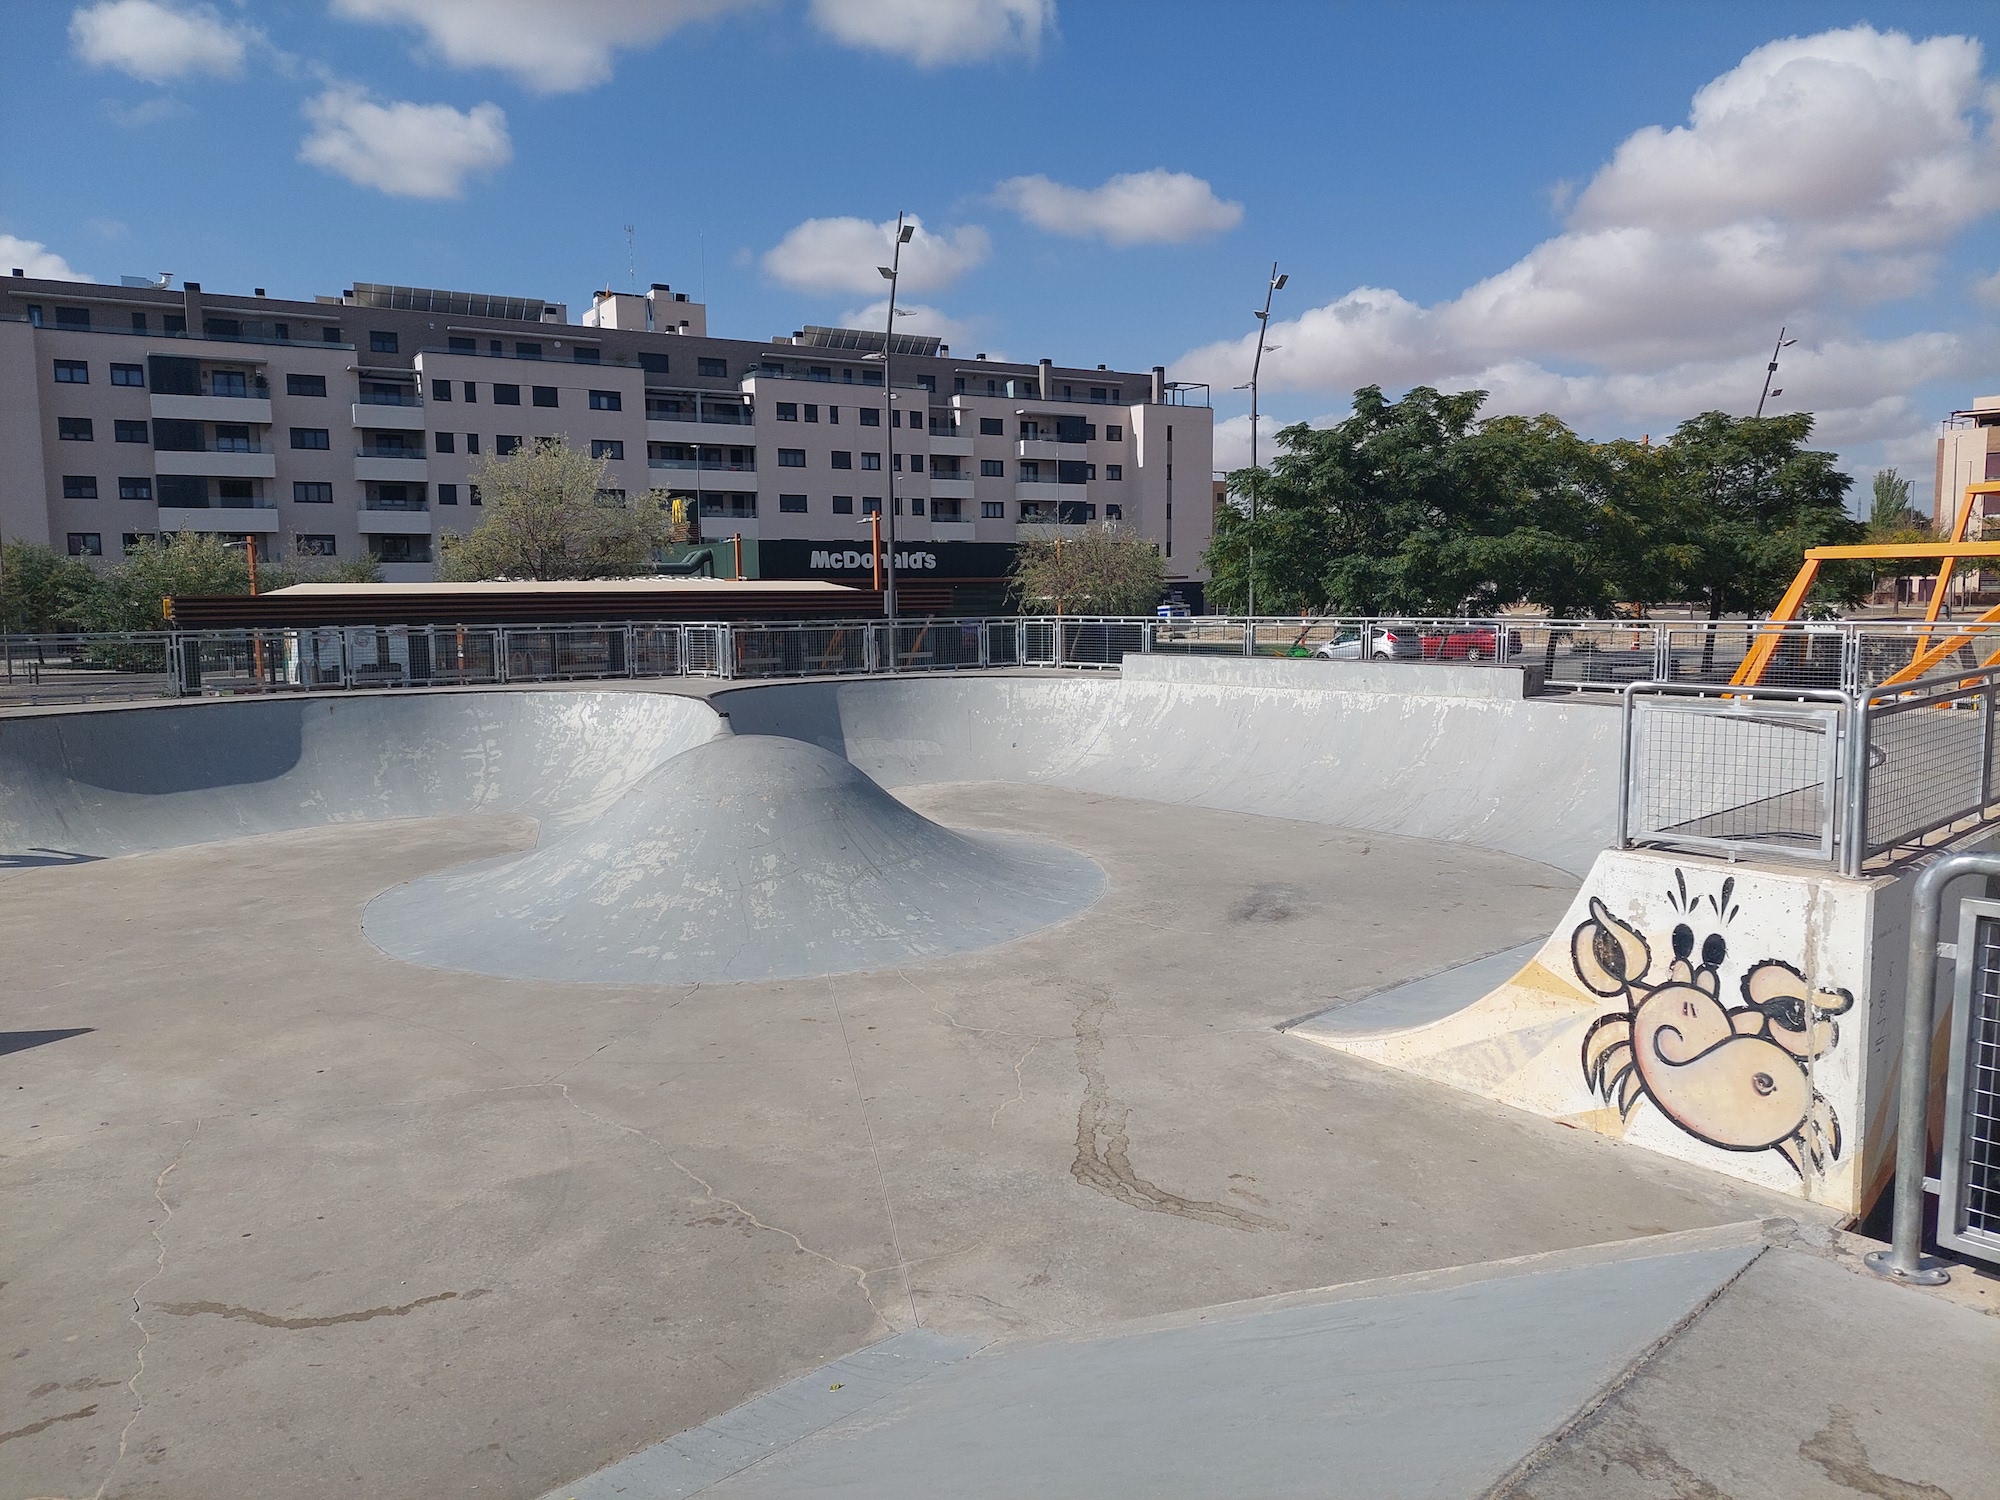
(1733, 1076)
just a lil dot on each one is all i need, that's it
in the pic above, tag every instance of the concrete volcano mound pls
(745, 858)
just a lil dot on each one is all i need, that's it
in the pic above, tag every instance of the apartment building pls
(1968, 452)
(354, 425)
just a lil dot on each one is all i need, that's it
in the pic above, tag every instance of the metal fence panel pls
(85, 668)
(1929, 764)
(1969, 1176)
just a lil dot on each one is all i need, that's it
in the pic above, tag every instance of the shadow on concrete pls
(21, 1041)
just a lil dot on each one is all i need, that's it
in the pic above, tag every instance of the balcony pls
(248, 408)
(395, 520)
(408, 467)
(391, 416)
(232, 520)
(705, 466)
(1031, 490)
(949, 487)
(214, 463)
(951, 444)
(1047, 448)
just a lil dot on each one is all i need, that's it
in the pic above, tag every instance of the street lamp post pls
(1277, 283)
(890, 273)
(1772, 369)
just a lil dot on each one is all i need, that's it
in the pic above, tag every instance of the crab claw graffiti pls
(1735, 1078)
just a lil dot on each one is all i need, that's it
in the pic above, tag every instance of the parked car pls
(1470, 643)
(1390, 641)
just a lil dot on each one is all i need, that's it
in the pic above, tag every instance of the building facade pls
(354, 425)
(1968, 452)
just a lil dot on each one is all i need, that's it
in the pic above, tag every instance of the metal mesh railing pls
(1969, 1173)
(76, 668)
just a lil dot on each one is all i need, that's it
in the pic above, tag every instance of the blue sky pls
(1514, 196)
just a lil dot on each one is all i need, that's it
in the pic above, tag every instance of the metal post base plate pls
(1930, 1270)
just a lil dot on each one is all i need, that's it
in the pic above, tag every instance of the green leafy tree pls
(185, 563)
(1891, 517)
(546, 516)
(1104, 569)
(41, 590)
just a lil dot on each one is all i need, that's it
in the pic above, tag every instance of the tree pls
(1104, 569)
(1745, 498)
(1891, 516)
(549, 516)
(41, 590)
(187, 562)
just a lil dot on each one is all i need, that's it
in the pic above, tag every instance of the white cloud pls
(1986, 290)
(934, 32)
(406, 150)
(921, 319)
(37, 259)
(841, 255)
(1133, 208)
(156, 42)
(1819, 177)
(551, 46)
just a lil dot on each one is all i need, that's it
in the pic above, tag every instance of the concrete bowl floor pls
(288, 1217)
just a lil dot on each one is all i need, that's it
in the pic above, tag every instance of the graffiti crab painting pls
(1737, 1076)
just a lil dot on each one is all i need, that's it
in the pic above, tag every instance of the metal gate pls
(1969, 1180)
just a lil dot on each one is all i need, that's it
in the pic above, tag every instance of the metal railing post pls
(1625, 767)
(1985, 746)
(1663, 653)
(725, 650)
(1249, 637)
(1905, 1260)
(1854, 838)
(985, 643)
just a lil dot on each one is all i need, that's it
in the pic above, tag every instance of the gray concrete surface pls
(289, 1217)
(744, 857)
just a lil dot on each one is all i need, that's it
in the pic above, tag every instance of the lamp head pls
(1279, 284)
(909, 230)
(887, 274)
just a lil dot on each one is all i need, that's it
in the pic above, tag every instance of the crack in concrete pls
(1103, 1145)
(145, 1334)
(709, 1192)
(881, 1171)
(272, 1320)
(1019, 1063)
(47, 1422)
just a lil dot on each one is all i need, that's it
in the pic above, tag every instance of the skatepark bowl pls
(891, 1087)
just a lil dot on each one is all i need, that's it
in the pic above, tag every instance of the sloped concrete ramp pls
(744, 858)
(1427, 1386)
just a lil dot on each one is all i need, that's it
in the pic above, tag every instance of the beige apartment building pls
(1968, 452)
(354, 425)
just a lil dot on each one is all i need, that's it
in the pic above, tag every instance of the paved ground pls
(288, 1217)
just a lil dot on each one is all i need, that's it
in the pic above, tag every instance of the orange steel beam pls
(1751, 672)
(1924, 660)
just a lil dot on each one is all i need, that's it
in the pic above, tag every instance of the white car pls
(1392, 641)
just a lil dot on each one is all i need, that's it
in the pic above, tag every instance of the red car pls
(1470, 643)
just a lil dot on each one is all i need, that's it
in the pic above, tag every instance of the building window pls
(79, 486)
(812, 412)
(653, 364)
(471, 392)
(72, 317)
(1090, 471)
(314, 544)
(584, 354)
(133, 540)
(128, 375)
(843, 505)
(130, 432)
(545, 395)
(822, 372)
(1114, 471)
(928, 382)
(794, 505)
(842, 459)
(958, 383)
(138, 322)
(992, 427)
(305, 385)
(1114, 433)
(1114, 394)
(505, 443)
(992, 510)
(137, 487)
(86, 544)
(400, 549)
(871, 377)
(916, 505)
(506, 395)
(715, 368)
(233, 437)
(871, 416)
(992, 468)
(606, 401)
(459, 345)
(330, 335)
(72, 372)
(440, 390)
(833, 416)
(443, 442)
(1114, 512)
(896, 419)
(791, 458)
(527, 351)
(608, 448)
(472, 494)
(74, 429)
(472, 442)
(174, 325)
(1030, 471)
(1099, 395)
(788, 411)
(871, 460)
(312, 492)
(1068, 394)
(447, 494)
(945, 510)
(896, 461)
(311, 437)
(871, 505)
(380, 342)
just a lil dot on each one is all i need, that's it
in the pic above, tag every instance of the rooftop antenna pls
(631, 258)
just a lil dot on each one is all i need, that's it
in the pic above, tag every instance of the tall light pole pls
(890, 272)
(1772, 369)
(1256, 365)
